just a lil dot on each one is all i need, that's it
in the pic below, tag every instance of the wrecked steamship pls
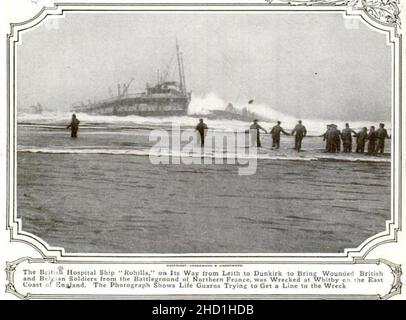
(165, 98)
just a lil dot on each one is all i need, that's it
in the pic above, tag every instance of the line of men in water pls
(376, 139)
(299, 131)
(333, 137)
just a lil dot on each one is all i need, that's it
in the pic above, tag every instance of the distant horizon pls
(289, 62)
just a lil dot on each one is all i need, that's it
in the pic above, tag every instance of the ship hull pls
(146, 107)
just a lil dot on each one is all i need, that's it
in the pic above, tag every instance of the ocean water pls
(101, 193)
(315, 127)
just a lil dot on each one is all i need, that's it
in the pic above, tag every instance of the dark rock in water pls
(232, 113)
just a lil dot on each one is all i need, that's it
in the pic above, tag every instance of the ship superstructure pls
(162, 99)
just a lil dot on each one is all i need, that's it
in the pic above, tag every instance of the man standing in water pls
(301, 132)
(362, 136)
(326, 138)
(381, 135)
(346, 136)
(276, 135)
(255, 126)
(202, 129)
(332, 138)
(74, 126)
(337, 138)
(371, 140)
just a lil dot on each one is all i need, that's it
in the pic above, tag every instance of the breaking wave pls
(198, 107)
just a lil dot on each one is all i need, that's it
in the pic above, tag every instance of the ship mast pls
(183, 73)
(180, 68)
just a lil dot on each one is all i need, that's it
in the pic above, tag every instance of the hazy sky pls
(304, 64)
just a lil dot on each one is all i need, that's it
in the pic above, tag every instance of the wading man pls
(74, 126)
(381, 135)
(301, 132)
(371, 140)
(202, 129)
(325, 136)
(255, 126)
(362, 137)
(333, 139)
(336, 138)
(346, 137)
(276, 135)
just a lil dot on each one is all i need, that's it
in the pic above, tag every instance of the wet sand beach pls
(121, 203)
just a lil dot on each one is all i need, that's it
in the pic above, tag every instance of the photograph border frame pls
(349, 255)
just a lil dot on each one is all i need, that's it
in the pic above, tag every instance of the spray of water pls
(203, 106)
(199, 106)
